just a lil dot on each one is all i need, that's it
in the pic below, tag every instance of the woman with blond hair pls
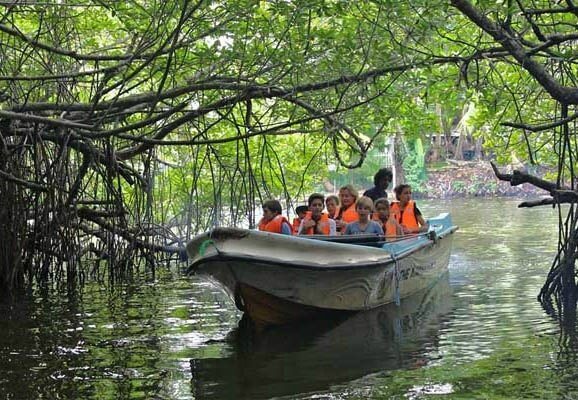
(347, 196)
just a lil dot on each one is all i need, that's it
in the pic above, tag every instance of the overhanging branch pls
(558, 195)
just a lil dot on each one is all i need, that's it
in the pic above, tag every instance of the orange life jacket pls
(274, 225)
(323, 223)
(296, 225)
(349, 215)
(389, 226)
(407, 218)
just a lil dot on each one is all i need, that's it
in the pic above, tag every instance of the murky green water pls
(479, 333)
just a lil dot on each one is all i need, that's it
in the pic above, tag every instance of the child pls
(316, 222)
(406, 212)
(332, 205)
(390, 226)
(272, 220)
(301, 211)
(364, 207)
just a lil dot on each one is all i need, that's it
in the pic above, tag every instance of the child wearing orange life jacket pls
(406, 212)
(316, 222)
(391, 227)
(301, 212)
(272, 220)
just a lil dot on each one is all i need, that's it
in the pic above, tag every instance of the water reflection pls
(108, 343)
(313, 356)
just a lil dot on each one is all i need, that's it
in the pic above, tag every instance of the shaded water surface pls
(478, 333)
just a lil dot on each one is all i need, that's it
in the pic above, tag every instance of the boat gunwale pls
(389, 257)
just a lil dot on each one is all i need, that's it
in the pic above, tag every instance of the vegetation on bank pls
(472, 179)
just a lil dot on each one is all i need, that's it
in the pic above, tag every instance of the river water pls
(478, 333)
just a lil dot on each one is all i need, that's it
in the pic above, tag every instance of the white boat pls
(278, 279)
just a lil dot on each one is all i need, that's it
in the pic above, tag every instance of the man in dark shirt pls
(381, 181)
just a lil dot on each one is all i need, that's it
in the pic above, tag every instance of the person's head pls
(364, 206)
(383, 178)
(271, 208)
(316, 203)
(403, 193)
(301, 211)
(331, 203)
(382, 208)
(347, 195)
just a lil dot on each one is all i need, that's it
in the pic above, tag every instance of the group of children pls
(350, 214)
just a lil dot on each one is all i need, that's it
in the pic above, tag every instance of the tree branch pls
(517, 178)
(564, 94)
(543, 127)
(559, 195)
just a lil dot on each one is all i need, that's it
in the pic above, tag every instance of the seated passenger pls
(332, 206)
(405, 211)
(316, 222)
(301, 211)
(347, 197)
(390, 226)
(364, 225)
(272, 220)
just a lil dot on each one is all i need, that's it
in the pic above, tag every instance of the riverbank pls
(473, 179)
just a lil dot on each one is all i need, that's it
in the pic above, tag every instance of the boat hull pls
(277, 279)
(266, 309)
